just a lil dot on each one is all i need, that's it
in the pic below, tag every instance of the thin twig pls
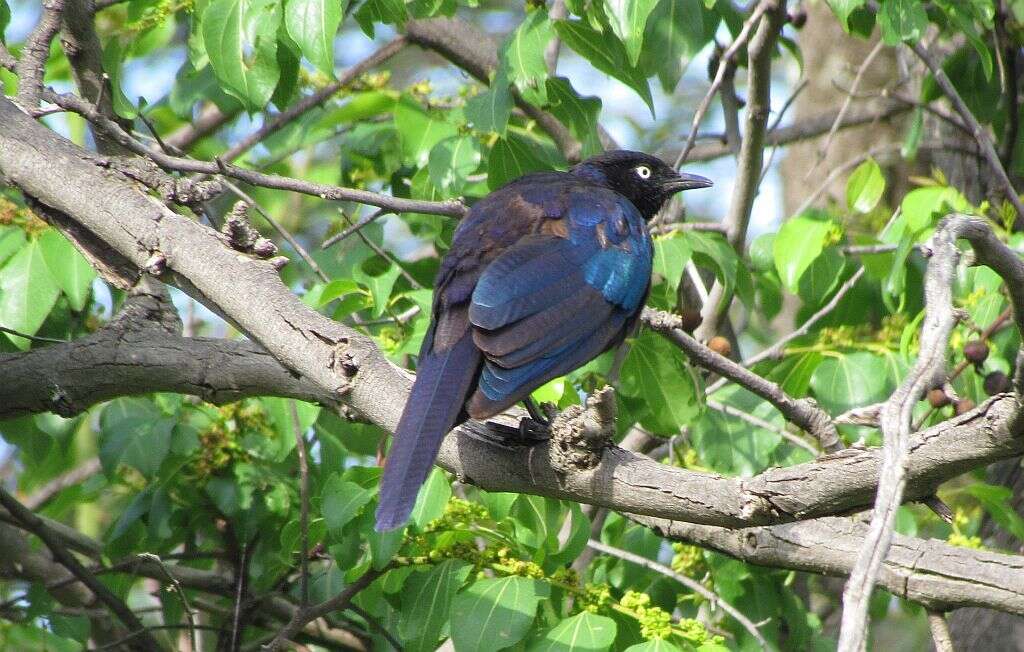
(189, 614)
(801, 412)
(31, 522)
(300, 447)
(34, 338)
(275, 123)
(31, 67)
(80, 473)
(723, 64)
(761, 423)
(940, 631)
(823, 151)
(380, 251)
(688, 582)
(338, 602)
(354, 228)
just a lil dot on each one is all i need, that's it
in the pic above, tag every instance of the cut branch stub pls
(580, 433)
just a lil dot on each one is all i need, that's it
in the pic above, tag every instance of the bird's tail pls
(443, 381)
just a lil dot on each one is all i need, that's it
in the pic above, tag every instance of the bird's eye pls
(643, 172)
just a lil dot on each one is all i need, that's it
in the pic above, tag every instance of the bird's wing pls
(558, 298)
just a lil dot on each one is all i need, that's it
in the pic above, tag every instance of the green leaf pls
(538, 521)
(671, 253)
(629, 21)
(996, 501)
(426, 603)
(677, 30)
(113, 64)
(655, 645)
(489, 111)
(379, 285)
(11, 240)
(865, 187)
(419, 130)
(241, 40)
(451, 161)
(69, 268)
(312, 24)
(824, 274)
(606, 53)
(730, 444)
(493, 614)
(584, 632)
(389, 12)
(922, 207)
(522, 56)
(27, 292)
(5, 18)
(712, 250)
(843, 8)
(512, 157)
(432, 499)
(902, 21)
(798, 243)
(655, 373)
(579, 114)
(134, 432)
(849, 381)
(342, 501)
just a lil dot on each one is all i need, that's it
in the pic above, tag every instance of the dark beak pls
(687, 182)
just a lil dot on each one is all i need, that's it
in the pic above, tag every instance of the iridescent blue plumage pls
(543, 275)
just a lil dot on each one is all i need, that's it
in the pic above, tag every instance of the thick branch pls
(33, 55)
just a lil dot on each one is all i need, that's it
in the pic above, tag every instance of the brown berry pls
(938, 398)
(963, 406)
(720, 345)
(689, 319)
(996, 383)
(976, 351)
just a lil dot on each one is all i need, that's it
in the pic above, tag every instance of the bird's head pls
(647, 181)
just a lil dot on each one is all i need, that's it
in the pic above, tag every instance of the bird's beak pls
(687, 182)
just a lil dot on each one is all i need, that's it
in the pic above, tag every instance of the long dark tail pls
(443, 381)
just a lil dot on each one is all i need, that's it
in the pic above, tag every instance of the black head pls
(645, 180)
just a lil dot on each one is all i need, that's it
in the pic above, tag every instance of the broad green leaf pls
(241, 40)
(489, 111)
(27, 292)
(389, 12)
(113, 64)
(280, 412)
(762, 257)
(854, 380)
(671, 253)
(5, 18)
(522, 56)
(677, 30)
(798, 243)
(902, 21)
(606, 53)
(655, 645)
(823, 276)
(843, 8)
(11, 240)
(579, 114)
(419, 130)
(451, 161)
(629, 21)
(135, 432)
(342, 501)
(538, 521)
(865, 187)
(967, 71)
(512, 157)
(69, 268)
(493, 614)
(426, 603)
(996, 501)
(312, 24)
(730, 444)
(28, 637)
(923, 207)
(584, 632)
(655, 373)
(794, 372)
(433, 496)
(713, 251)
(379, 285)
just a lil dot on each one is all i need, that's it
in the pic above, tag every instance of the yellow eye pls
(643, 172)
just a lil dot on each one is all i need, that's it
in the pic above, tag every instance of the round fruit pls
(720, 345)
(963, 405)
(996, 383)
(976, 351)
(938, 398)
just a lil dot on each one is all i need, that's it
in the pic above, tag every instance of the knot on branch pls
(821, 426)
(580, 433)
(242, 235)
(185, 192)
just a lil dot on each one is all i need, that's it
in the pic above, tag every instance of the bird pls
(543, 274)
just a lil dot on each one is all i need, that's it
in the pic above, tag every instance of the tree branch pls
(34, 54)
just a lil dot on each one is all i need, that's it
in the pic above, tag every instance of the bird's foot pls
(527, 433)
(542, 414)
